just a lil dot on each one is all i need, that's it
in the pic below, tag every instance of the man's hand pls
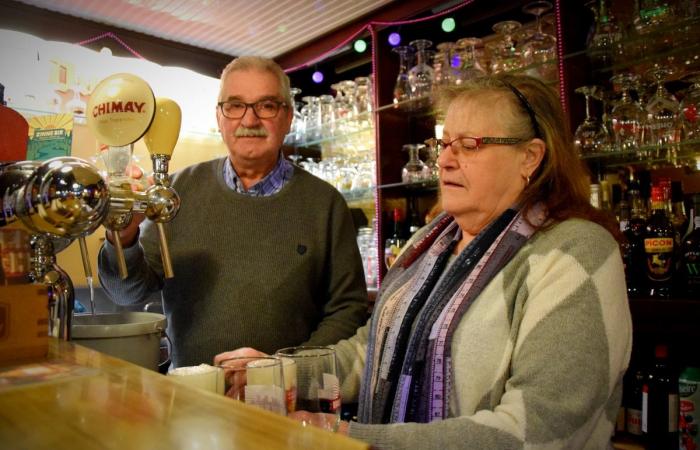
(243, 351)
(129, 234)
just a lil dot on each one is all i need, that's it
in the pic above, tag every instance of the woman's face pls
(477, 185)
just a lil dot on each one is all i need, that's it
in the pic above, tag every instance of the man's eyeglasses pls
(263, 109)
(472, 144)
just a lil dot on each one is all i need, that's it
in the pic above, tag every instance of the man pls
(264, 253)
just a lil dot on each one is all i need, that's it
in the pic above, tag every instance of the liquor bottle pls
(659, 246)
(632, 399)
(660, 404)
(414, 221)
(679, 219)
(689, 392)
(632, 247)
(690, 254)
(392, 246)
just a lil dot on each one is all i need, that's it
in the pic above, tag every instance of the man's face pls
(251, 140)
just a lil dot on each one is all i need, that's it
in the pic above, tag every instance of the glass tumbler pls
(318, 386)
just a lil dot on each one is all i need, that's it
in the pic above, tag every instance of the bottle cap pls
(661, 350)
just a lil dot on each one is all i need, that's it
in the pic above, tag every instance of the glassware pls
(327, 112)
(362, 103)
(257, 381)
(688, 123)
(311, 113)
(393, 245)
(420, 76)
(540, 49)
(590, 136)
(447, 59)
(469, 64)
(505, 56)
(318, 386)
(344, 98)
(402, 88)
(605, 46)
(296, 130)
(662, 110)
(414, 171)
(431, 161)
(627, 116)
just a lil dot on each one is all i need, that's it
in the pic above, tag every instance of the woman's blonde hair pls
(561, 182)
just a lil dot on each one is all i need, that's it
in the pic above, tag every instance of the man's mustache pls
(250, 132)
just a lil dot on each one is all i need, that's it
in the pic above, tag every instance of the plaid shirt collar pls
(269, 185)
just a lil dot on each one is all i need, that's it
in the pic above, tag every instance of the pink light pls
(394, 39)
(317, 77)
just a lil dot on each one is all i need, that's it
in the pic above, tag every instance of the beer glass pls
(256, 380)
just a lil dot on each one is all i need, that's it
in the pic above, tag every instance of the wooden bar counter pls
(100, 402)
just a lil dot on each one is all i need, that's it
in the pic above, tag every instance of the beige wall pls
(190, 149)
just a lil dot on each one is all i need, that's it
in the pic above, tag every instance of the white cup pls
(203, 376)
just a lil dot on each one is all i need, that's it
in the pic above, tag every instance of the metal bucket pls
(131, 336)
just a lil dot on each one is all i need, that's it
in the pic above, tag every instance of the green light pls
(448, 25)
(360, 46)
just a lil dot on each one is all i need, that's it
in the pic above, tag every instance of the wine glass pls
(590, 136)
(402, 88)
(662, 111)
(414, 170)
(420, 76)
(470, 67)
(443, 65)
(540, 48)
(627, 115)
(505, 56)
(605, 45)
(688, 121)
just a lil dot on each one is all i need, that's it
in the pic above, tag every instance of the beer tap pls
(163, 201)
(56, 201)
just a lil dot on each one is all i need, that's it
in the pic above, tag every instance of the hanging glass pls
(420, 76)
(590, 136)
(402, 88)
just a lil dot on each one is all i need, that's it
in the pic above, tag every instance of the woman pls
(505, 323)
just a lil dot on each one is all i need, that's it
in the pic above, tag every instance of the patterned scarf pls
(408, 372)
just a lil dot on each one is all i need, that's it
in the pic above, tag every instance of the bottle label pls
(658, 245)
(645, 409)
(673, 413)
(634, 421)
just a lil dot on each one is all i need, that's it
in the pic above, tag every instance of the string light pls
(394, 39)
(317, 77)
(448, 25)
(360, 46)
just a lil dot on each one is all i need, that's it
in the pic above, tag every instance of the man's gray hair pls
(258, 63)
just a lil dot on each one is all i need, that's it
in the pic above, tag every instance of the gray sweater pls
(265, 272)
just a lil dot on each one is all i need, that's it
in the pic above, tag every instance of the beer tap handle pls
(164, 202)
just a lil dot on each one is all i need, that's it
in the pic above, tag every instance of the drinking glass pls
(311, 112)
(447, 60)
(297, 129)
(605, 45)
(414, 170)
(590, 136)
(431, 162)
(469, 64)
(362, 102)
(256, 380)
(662, 111)
(344, 97)
(540, 49)
(627, 115)
(402, 88)
(318, 387)
(327, 112)
(505, 56)
(688, 123)
(420, 76)
(203, 376)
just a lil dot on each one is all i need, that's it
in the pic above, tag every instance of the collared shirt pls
(269, 185)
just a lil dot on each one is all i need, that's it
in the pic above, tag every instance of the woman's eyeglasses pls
(469, 143)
